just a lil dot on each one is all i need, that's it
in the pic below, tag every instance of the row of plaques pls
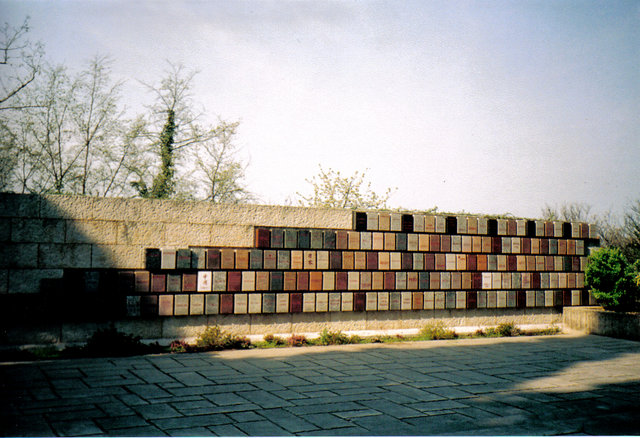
(229, 258)
(421, 223)
(248, 281)
(256, 303)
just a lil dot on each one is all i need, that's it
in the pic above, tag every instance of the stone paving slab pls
(566, 384)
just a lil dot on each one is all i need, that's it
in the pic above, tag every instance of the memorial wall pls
(166, 260)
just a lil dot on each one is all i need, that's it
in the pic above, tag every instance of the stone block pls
(183, 258)
(461, 300)
(228, 258)
(268, 303)
(395, 301)
(342, 240)
(240, 304)
(39, 231)
(211, 304)
(30, 280)
(282, 303)
(220, 281)
(372, 221)
(322, 302)
(277, 238)
(181, 305)
(270, 259)
(383, 300)
(297, 259)
(248, 281)
(283, 259)
(71, 255)
(165, 305)
(290, 238)
(196, 304)
(226, 304)
(335, 302)
(347, 301)
(450, 300)
(19, 255)
(439, 301)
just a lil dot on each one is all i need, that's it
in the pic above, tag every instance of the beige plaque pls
(372, 302)
(196, 304)
(212, 304)
(461, 300)
(180, 305)
(406, 300)
(383, 300)
(428, 300)
(282, 303)
(309, 302)
(347, 301)
(365, 240)
(248, 281)
(322, 302)
(255, 303)
(335, 301)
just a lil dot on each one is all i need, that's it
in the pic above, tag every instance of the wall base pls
(261, 324)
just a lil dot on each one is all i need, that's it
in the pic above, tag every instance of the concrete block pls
(68, 255)
(118, 256)
(37, 230)
(19, 255)
(28, 280)
(127, 233)
(18, 205)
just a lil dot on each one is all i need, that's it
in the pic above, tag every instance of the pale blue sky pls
(483, 106)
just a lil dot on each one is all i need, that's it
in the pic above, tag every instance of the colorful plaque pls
(248, 281)
(335, 301)
(212, 304)
(270, 259)
(240, 302)
(283, 259)
(429, 300)
(322, 302)
(372, 302)
(395, 301)
(263, 238)
(219, 281)
(180, 305)
(196, 304)
(168, 258)
(347, 301)
(269, 302)
(282, 303)
(153, 259)
(165, 305)
(226, 304)
(205, 281)
(255, 303)
(309, 302)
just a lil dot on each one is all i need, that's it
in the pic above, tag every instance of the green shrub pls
(437, 330)
(214, 338)
(611, 279)
(111, 342)
(507, 329)
(179, 346)
(332, 338)
(274, 341)
(297, 341)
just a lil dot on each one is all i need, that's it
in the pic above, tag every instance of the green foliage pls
(332, 190)
(274, 341)
(163, 183)
(507, 329)
(297, 341)
(111, 342)
(437, 330)
(213, 338)
(611, 279)
(332, 338)
(179, 346)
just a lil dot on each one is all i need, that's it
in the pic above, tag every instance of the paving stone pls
(287, 420)
(155, 411)
(226, 398)
(111, 423)
(140, 431)
(190, 406)
(192, 421)
(190, 378)
(76, 428)
(383, 425)
(148, 391)
(326, 420)
(191, 431)
(392, 409)
(226, 430)
(261, 428)
(264, 399)
(115, 408)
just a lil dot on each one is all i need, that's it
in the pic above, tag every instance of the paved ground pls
(546, 385)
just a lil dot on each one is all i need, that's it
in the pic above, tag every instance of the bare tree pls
(21, 60)
(218, 168)
(332, 190)
(175, 132)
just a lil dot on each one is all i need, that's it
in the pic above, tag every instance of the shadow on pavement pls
(517, 386)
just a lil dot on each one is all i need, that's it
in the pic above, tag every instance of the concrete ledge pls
(595, 320)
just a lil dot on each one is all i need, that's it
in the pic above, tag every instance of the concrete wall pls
(42, 235)
(597, 321)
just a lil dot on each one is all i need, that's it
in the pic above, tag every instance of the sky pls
(487, 106)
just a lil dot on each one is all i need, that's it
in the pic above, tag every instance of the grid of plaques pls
(386, 262)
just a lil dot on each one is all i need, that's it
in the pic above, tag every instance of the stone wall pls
(70, 264)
